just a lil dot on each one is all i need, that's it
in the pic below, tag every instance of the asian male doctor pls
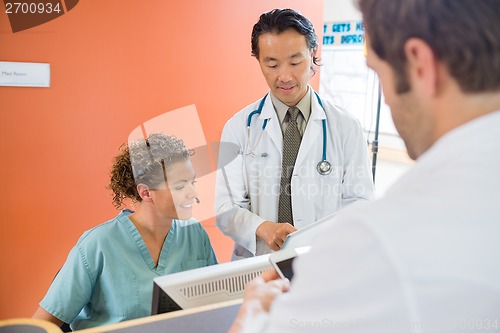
(299, 158)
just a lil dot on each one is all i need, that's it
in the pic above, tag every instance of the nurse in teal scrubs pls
(108, 275)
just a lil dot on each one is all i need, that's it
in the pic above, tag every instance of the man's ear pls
(313, 54)
(311, 64)
(423, 67)
(144, 192)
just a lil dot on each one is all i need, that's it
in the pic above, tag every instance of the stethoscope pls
(324, 167)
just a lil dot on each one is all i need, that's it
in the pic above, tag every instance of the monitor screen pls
(206, 285)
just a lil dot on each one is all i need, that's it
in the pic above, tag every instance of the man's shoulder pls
(240, 118)
(248, 109)
(338, 112)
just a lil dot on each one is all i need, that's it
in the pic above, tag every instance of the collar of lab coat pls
(313, 132)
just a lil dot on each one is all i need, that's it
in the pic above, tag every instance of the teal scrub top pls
(108, 275)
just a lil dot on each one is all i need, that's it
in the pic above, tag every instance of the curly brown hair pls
(144, 162)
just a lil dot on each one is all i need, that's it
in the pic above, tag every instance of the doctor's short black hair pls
(277, 21)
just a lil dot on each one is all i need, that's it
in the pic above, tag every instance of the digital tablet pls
(282, 261)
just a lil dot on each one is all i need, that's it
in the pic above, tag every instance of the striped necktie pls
(291, 144)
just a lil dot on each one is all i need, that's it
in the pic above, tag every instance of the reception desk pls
(210, 318)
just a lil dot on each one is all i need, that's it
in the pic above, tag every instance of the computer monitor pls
(206, 285)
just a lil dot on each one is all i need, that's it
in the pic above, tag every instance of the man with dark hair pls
(424, 258)
(300, 158)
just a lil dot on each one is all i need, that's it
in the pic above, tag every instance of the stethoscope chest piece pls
(324, 168)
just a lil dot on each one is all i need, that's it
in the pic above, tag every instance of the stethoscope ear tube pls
(258, 111)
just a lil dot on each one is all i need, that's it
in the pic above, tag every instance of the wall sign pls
(343, 33)
(24, 74)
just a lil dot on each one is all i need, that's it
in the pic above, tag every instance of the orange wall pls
(113, 67)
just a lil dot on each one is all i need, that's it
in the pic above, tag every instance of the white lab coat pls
(248, 187)
(422, 259)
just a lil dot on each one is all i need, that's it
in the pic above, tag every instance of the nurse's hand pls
(274, 234)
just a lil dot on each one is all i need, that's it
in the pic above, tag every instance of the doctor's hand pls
(274, 234)
(260, 293)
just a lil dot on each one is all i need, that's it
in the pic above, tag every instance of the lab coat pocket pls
(331, 192)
